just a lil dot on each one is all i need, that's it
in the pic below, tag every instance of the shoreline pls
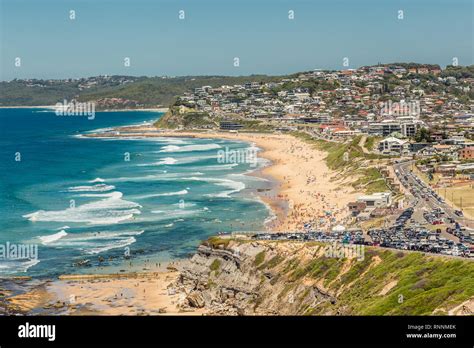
(301, 187)
(132, 293)
(306, 190)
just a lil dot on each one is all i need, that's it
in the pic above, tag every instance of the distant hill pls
(144, 91)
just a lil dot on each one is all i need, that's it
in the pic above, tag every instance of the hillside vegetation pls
(146, 91)
(289, 278)
(189, 119)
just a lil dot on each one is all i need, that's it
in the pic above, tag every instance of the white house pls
(376, 200)
(393, 145)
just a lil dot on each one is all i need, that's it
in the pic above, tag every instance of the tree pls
(423, 134)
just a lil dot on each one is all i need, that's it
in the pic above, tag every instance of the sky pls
(214, 32)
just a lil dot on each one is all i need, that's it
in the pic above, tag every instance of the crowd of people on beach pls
(316, 203)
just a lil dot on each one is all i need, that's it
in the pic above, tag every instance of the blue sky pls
(213, 32)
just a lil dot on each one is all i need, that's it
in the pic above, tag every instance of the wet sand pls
(307, 190)
(144, 293)
(303, 190)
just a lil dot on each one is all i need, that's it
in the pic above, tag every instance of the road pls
(416, 184)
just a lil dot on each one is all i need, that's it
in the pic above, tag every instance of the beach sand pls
(105, 294)
(307, 190)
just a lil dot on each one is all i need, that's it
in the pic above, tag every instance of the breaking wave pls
(93, 188)
(190, 148)
(110, 210)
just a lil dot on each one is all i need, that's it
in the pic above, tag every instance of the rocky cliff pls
(243, 277)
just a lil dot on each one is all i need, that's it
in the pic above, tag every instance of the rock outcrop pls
(243, 277)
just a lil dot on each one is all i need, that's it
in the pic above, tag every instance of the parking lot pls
(395, 237)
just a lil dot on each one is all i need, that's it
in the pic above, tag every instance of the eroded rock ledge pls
(228, 276)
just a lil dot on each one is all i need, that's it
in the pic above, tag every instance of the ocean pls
(87, 204)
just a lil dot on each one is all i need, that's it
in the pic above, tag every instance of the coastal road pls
(429, 202)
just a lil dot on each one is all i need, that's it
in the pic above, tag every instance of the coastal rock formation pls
(229, 276)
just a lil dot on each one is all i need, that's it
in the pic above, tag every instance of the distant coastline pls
(105, 110)
(28, 107)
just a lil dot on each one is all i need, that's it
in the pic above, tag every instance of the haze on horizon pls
(159, 41)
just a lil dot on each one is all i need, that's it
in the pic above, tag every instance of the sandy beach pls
(137, 293)
(307, 190)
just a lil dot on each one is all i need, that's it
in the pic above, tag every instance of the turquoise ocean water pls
(77, 198)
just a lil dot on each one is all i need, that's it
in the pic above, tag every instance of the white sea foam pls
(15, 266)
(173, 141)
(219, 167)
(96, 195)
(184, 205)
(97, 180)
(111, 210)
(98, 235)
(172, 214)
(153, 177)
(193, 158)
(97, 242)
(177, 193)
(52, 237)
(93, 188)
(42, 111)
(235, 186)
(100, 130)
(113, 245)
(164, 161)
(190, 148)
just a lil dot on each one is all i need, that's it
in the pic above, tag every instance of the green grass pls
(259, 258)
(426, 282)
(215, 265)
(371, 181)
(369, 143)
(216, 242)
(188, 119)
(273, 262)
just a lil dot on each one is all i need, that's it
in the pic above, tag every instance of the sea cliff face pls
(242, 277)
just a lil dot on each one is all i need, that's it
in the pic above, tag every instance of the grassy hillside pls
(188, 118)
(294, 278)
(422, 284)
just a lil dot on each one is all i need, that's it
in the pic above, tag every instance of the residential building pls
(376, 200)
(466, 153)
